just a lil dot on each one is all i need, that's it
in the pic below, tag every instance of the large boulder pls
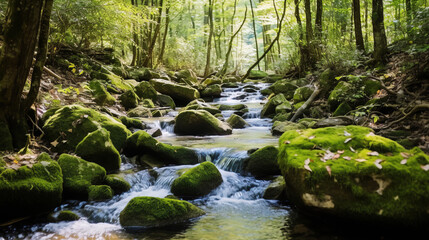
(236, 121)
(279, 127)
(145, 90)
(147, 212)
(200, 122)
(340, 94)
(69, 125)
(284, 86)
(140, 111)
(97, 147)
(269, 108)
(276, 189)
(351, 174)
(79, 175)
(212, 91)
(100, 94)
(180, 93)
(99, 192)
(166, 101)
(256, 74)
(144, 145)
(187, 76)
(117, 183)
(201, 105)
(302, 94)
(263, 162)
(30, 189)
(197, 181)
(129, 99)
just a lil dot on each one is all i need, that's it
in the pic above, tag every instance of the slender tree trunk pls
(366, 22)
(408, 10)
(380, 41)
(254, 32)
(209, 43)
(149, 57)
(302, 49)
(358, 26)
(164, 40)
(318, 24)
(312, 58)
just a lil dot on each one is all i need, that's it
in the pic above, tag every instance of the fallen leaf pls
(307, 161)
(377, 163)
(286, 142)
(322, 159)
(308, 168)
(70, 130)
(351, 149)
(404, 161)
(328, 168)
(347, 158)
(425, 167)
(54, 143)
(373, 154)
(85, 116)
(347, 134)
(328, 155)
(360, 160)
(14, 160)
(396, 198)
(336, 156)
(405, 155)
(370, 134)
(347, 140)
(340, 151)
(311, 137)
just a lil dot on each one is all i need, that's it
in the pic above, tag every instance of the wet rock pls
(180, 93)
(236, 121)
(200, 122)
(197, 181)
(140, 111)
(334, 121)
(276, 189)
(100, 94)
(69, 125)
(266, 91)
(230, 85)
(236, 107)
(78, 175)
(154, 132)
(98, 148)
(147, 212)
(132, 122)
(99, 193)
(67, 216)
(142, 144)
(351, 174)
(201, 105)
(30, 191)
(212, 81)
(212, 91)
(263, 162)
(129, 99)
(117, 183)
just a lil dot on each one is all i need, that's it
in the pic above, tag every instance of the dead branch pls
(306, 104)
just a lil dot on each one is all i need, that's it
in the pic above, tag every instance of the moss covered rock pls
(337, 95)
(147, 212)
(142, 144)
(187, 76)
(70, 124)
(212, 91)
(276, 189)
(285, 107)
(279, 128)
(129, 99)
(302, 94)
(200, 122)
(166, 101)
(32, 190)
(180, 93)
(327, 80)
(256, 74)
(236, 121)
(284, 86)
(99, 192)
(148, 103)
(342, 109)
(269, 108)
(140, 111)
(201, 105)
(67, 216)
(131, 122)
(197, 181)
(97, 147)
(141, 74)
(78, 175)
(263, 162)
(145, 90)
(117, 183)
(100, 94)
(350, 173)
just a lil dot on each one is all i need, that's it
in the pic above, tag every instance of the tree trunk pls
(164, 40)
(209, 43)
(380, 41)
(149, 57)
(255, 35)
(408, 10)
(20, 38)
(358, 26)
(318, 24)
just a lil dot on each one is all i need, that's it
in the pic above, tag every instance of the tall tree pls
(358, 26)
(255, 35)
(209, 41)
(379, 33)
(23, 24)
(318, 23)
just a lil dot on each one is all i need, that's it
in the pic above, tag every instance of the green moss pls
(67, 216)
(147, 103)
(285, 107)
(141, 143)
(302, 94)
(197, 181)
(29, 191)
(212, 81)
(187, 76)
(338, 94)
(343, 109)
(97, 147)
(212, 91)
(200, 105)
(282, 117)
(327, 79)
(145, 91)
(236, 121)
(79, 175)
(99, 193)
(256, 74)
(117, 183)
(236, 107)
(70, 124)
(139, 111)
(395, 194)
(6, 143)
(154, 212)
(371, 87)
(100, 94)
(284, 86)
(279, 128)
(129, 99)
(263, 162)
(142, 74)
(131, 122)
(166, 101)
(269, 108)
(180, 93)
(276, 189)
(200, 122)
(296, 106)
(118, 82)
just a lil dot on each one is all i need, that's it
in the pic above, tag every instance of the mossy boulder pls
(327, 80)
(180, 93)
(142, 74)
(284, 86)
(201, 105)
(236, 107)
(148, 103)
(78, 175)
(140, 111)
(212, 91)
(269, 108)
(200, 122)
(97, 147)
(166, 101)
(339, 93)
(302, 94)
(100, 94)
(263, 162)
(285, 107)
(145, 90)
(129, 99)
(197, 181)
(148, 212)
(29, 191)
(187, 76)
(276, 189)
(69, 125)
(99, 193)
(67, 216)
(279, 128)
(334, 121)
(371, 87)
(256, 74)
(212, 81)
(142, 144)
(131, 122)
(342, 109)
(117, 183)
(351, 174)
(236, 121)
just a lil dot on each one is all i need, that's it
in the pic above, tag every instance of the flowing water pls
(235, 210)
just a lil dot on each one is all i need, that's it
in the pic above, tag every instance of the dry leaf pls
(373, 154)
(405, 155)
(370, 134)
(308, 168)
(425, 167)
(307, 161)
(311, 137)
(347, 158)
(377, 163)
(340, 151)
(70, 130)
(54, 143)
(347, 134)
(14, 160)
(360, 160)
(336, 156)
(351, 149)
(85, 116)
(328, 168)
(322, 159)
(286, 142)
(404, 161)
(347, 140)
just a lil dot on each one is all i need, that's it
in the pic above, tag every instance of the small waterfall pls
(226, 159)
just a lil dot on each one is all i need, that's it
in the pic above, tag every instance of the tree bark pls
(255, 35)
(379, 34)
(358, 26)
(164, 40)
(149, 57)
(318, 24)
(209, 43)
